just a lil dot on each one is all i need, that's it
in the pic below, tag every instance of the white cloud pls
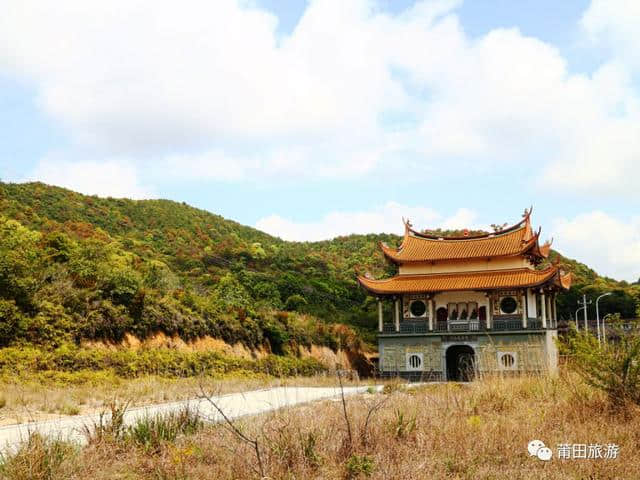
(213, 90)
(385, 218)
(608, 245)
(615, 24)
(105, 179)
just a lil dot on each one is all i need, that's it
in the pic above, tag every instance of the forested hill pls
(76, 267)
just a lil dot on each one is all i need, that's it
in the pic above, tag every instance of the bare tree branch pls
(235, 430)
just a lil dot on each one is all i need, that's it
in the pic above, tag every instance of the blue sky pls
(314, 119)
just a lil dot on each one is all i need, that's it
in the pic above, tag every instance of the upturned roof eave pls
(370, 284)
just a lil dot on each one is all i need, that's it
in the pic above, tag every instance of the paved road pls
(233, 405)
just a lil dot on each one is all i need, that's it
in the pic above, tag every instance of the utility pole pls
(598, 315)
(584, 304)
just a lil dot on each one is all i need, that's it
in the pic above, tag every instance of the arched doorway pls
(460, 363)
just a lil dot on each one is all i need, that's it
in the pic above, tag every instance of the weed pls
(309, 449)
(357, 465)
(152, 431)
(110, 425)
(70, 410)
(40, 459)
(403, 425)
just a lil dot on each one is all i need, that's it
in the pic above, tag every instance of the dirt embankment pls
(341, 359)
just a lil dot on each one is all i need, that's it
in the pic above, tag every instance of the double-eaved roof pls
(517, 240)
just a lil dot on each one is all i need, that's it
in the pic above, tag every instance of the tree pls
(231, 292)
(11, 322)
(20, 260)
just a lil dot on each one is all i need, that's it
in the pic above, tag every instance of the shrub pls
(295, 302)
(613, 367)
(164, 362)
(11, 322)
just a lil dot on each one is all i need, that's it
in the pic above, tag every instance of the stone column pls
(555, 311)
(432, 312)
(489, 312)
(380, 324)
(397, 312)
(543, 307)
(524, 309)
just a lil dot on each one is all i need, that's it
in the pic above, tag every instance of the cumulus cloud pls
(609, 245)
(106, 178)
(213, 91)
(385, 218)
(616, 25)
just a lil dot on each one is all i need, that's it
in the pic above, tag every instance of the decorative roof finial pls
(407, 226)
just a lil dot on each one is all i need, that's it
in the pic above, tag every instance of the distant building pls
(468, 305)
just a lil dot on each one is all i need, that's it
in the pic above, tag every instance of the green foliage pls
(19, 262)
(403, 425)
(359, 465)
(295, 302)
(231, 292)
(74, 268)
(151, 432)
(613, 366)
(51, 326)
(163, 362)
(11, 322)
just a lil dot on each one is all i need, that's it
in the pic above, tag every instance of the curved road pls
(233, 405)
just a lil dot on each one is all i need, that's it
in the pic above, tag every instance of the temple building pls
(465, 306)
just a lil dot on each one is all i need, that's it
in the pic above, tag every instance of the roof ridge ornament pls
(407, 224)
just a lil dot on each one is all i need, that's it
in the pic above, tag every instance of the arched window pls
(414, 361)
(507, 360)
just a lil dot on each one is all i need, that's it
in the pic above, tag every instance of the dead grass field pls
(473, 431)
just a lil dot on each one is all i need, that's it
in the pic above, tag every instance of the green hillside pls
(76, 267)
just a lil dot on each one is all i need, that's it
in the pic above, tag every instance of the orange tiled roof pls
(565, 280)
(417, 247)
(545, 248)
(485, 280)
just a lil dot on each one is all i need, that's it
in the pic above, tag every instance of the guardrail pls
(499, 324)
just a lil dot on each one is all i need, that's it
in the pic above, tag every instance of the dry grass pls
(39, 398)
(437, 431)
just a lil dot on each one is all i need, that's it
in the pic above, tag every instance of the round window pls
(508, 360)
(415, 361)
(508, 305)
(418, 308)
